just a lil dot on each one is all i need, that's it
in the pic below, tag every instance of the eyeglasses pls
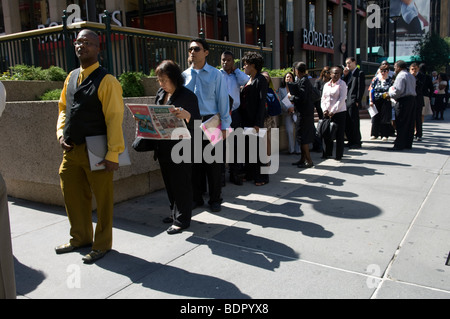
(195, 49)
(80, 43)
(383, 71)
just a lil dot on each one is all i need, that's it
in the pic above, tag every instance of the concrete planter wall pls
(28, 90)
(31, 155)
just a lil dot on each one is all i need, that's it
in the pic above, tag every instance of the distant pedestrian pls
(289, 113)
(355, 80)
(403, 91)
(379, 100)
(441, 96)
(253, 113)
(235, 79)
(301, 97)
(334, 107)
(420, 101)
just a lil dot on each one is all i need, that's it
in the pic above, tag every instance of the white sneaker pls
(385, 139)
(373, 138)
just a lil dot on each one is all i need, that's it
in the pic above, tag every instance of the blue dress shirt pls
(211, 90)
(234, 82)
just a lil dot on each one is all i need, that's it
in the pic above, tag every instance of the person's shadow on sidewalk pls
(168, 279)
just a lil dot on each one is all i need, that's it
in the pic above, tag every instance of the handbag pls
(141, 144)
(326, 129)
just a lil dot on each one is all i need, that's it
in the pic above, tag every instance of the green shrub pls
(132, 84)
(21, 72)
(51, 95)
(26, 73)
(55, 73)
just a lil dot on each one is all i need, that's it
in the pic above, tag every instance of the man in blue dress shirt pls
(210, 87)
(235, 79)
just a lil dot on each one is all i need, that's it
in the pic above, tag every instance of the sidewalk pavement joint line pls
(298, 259)
(37, 229)
(411, 224)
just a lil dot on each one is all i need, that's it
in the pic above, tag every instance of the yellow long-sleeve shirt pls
(110, 95)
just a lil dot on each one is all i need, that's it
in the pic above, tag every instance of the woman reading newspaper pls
(177, 177)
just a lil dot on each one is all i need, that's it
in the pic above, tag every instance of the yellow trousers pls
(78, 183)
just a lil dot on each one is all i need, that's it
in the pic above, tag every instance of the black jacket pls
(186, 99)
(253, 102)
(356, 84)
(301, 96)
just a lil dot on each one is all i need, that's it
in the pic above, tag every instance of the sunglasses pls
(383, 71)
(195, 49)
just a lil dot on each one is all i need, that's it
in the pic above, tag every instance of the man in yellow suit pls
(91, 104)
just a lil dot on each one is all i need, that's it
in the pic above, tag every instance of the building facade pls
(319, 32)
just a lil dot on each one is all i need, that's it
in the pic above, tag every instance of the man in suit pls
(420, 101)
(403, 91)
(356, 85)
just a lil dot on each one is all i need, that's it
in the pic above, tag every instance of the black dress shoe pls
(215, 207)
(175, 229)
(395, 149)
(305, 165)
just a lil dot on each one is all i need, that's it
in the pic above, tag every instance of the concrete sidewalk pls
(374, 225)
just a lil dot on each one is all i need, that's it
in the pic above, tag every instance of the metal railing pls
(123, 49)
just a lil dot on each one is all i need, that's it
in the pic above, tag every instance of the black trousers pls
(418, 120)
(213, 173)
(352, 125)
(405, 114)
(178, 181)
(235, 167)
(340, 120)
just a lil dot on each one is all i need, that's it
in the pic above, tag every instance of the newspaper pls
(158, 122)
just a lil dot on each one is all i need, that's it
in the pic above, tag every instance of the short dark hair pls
(173, 72)
(255, 58)
(301, 67)
(401, 64)
(202, 41)
(228, 53)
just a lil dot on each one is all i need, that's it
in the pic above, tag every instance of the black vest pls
(84, 114)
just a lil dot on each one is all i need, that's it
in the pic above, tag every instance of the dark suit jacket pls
(253, 102)
(301, 91)
(420, 83)
(356, 84)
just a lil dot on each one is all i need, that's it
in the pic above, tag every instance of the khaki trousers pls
(7, 279)
(78, 183)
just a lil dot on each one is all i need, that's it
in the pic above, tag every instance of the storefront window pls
(33, 13)
(208, 6)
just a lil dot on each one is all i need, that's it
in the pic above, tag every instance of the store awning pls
(406, 58)
(373, 50)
